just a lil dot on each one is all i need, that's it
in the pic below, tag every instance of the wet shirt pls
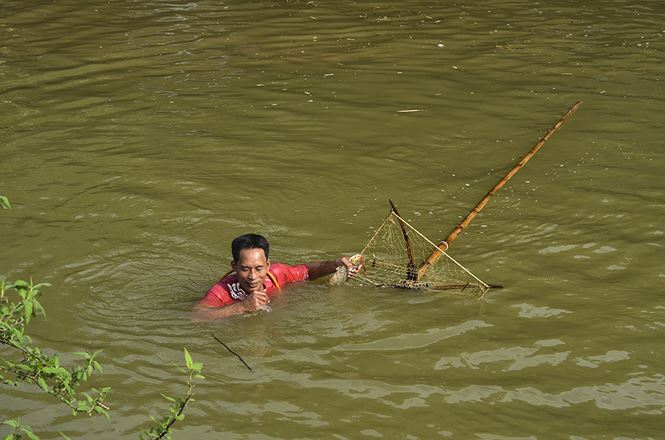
(227, 290)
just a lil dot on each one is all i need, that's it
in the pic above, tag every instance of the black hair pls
(249, 241)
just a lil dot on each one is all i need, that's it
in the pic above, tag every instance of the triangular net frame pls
(392, 257)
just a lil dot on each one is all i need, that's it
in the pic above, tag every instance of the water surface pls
(139, 138)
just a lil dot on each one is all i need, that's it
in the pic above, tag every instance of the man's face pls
(251, 269)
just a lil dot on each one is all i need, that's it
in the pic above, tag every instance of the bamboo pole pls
(434, 256)
(411, 274)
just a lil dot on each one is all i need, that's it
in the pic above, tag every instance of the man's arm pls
(250, 304)
(321, 268)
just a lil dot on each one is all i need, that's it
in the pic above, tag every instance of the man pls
(253, 280)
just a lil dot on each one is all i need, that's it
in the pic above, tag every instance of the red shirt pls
(227, 290)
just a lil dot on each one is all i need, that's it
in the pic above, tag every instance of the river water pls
(139, 137)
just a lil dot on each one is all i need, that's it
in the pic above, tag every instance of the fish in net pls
(393, 256)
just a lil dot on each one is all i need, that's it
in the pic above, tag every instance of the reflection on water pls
(140, 137)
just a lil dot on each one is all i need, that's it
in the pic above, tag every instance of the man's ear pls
(268, 264)
(233, 264)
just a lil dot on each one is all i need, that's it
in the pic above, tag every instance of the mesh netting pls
(387, 262)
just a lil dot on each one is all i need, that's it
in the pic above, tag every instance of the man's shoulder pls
(289, 273)
(229, 277)
(219, 295)
(283, 267)
(277, 266)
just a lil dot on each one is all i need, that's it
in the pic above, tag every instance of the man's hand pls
(256, 301)
(253, 302)
(352, 269)
(321, 268)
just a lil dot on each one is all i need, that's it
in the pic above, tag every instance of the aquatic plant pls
(31, 365)
(161, 427)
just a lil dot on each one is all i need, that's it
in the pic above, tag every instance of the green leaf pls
(169, 398)
(14, 423)
(32, 293)
(27, 311)
(188, 359)
(38, 307)
(58, 371)
(42, 383)
(31, 435)
(4, 202)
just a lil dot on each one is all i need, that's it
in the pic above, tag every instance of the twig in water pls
(233, 353)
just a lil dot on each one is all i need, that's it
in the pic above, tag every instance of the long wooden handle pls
(434, 256)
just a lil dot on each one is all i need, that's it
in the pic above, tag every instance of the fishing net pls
(393, 256)
(400, 256)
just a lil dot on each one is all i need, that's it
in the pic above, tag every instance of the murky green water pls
(139, 138)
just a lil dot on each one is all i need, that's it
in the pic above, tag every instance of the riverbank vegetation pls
(24, 363)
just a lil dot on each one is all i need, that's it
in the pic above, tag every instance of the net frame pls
(398, 269)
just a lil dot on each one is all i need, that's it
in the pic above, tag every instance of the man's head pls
(250, 261)
(249, 241)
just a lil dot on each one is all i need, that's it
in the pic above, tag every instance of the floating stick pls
(233, 353)
(434, 256)
(411, 270)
